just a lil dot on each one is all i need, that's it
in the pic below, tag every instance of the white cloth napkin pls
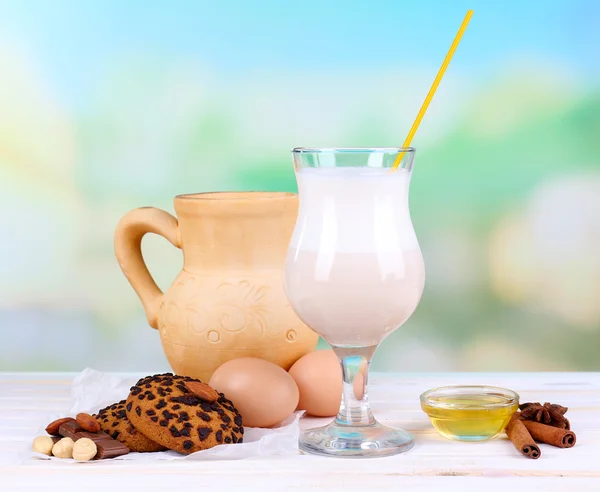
(93, 390)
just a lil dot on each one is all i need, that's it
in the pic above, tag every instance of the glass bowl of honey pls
(469, 413)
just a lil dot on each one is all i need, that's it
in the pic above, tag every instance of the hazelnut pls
(85, 449)
(43, 444)
(63, 448)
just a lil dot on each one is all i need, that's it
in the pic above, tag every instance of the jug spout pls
(230, 230)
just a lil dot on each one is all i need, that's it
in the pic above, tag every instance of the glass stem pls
(355, 408)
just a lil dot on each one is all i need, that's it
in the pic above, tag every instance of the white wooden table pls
(434, 464)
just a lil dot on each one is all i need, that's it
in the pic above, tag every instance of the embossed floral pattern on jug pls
(228, 301)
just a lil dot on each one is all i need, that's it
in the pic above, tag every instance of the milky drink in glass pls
(355, 271)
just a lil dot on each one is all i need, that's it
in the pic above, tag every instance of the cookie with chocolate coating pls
(113, 420)
(167, 412)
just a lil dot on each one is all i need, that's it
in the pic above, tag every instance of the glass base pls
(369, 441)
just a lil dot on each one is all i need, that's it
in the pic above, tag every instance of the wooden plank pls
(29, 401)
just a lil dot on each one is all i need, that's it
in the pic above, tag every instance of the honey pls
(469, 413)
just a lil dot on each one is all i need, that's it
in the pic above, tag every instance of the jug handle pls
(128, 249)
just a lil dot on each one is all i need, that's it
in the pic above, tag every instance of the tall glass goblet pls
(354, 273)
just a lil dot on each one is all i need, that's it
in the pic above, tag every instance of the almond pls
(53, 427)
(202, 391)
(87, 422)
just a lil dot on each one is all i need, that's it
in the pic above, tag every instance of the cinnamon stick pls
(548, 434)
(521, 438)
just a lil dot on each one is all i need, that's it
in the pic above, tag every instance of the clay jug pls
(228, 301)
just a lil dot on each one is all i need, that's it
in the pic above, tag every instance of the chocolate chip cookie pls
(113, 420)
(166, 411)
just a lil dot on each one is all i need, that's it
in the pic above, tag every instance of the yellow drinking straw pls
(434, 86)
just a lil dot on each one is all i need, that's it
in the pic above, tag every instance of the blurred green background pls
(108, 105)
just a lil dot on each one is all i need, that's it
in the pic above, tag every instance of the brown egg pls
(319, 379)
(264, 393)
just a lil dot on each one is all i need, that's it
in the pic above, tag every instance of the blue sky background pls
(77, 40)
